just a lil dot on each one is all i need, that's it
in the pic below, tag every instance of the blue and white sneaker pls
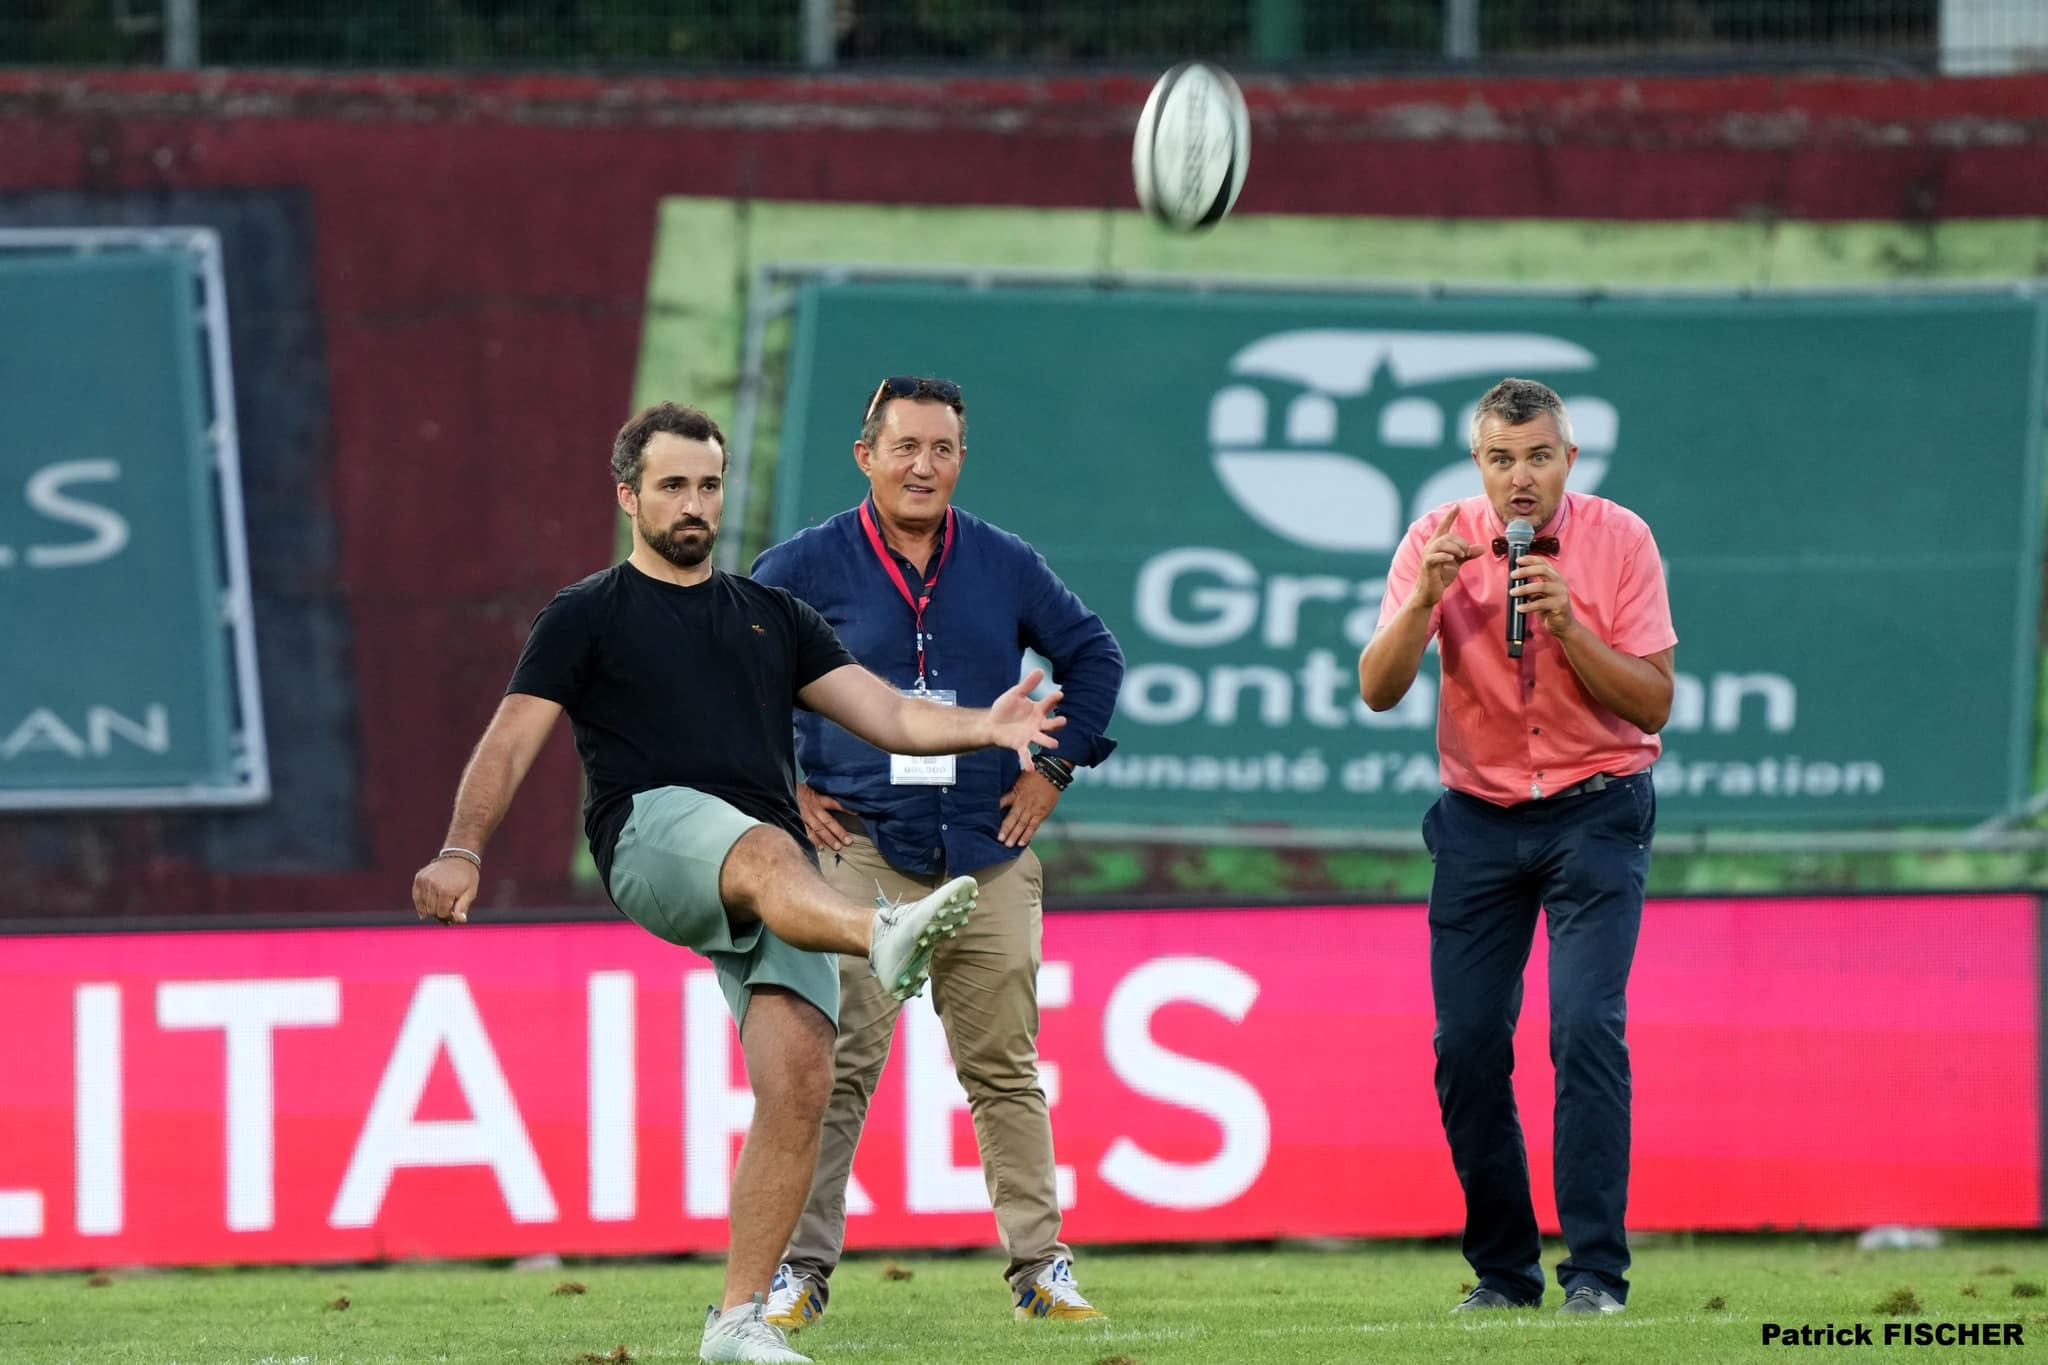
(1054, 1295)
(794, 1301)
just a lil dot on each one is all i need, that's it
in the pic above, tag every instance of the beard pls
(671, 544)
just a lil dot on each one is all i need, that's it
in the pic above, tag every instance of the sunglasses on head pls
(913, 386)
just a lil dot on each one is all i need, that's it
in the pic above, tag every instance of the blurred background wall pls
(444, 231)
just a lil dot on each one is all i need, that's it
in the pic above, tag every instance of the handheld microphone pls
(1520, 535)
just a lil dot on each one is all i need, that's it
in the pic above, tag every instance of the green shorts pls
(664, 878)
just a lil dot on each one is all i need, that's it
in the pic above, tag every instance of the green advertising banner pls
(126, 664)
(1845, 490)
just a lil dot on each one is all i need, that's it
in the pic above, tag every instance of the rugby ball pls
(1192, 146)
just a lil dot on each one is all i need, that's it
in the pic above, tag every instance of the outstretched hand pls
(1016, 722)
(1443, 555)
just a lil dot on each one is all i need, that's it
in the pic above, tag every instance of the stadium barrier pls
(352, 1094)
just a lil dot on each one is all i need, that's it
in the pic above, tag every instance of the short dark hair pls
(1516, 401)
(629, 451)
(915, 389)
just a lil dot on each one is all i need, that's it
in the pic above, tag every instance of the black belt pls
(1598, 782)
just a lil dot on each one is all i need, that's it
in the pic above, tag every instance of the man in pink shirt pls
(1549, 804)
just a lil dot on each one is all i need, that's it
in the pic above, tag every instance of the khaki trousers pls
(984, 985)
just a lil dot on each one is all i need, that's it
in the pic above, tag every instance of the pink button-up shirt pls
(1513, 730)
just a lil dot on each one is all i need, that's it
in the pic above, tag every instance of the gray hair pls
(1516, 401)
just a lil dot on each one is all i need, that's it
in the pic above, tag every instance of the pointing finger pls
(1450, 519)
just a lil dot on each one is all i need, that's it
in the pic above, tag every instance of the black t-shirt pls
(670, 686)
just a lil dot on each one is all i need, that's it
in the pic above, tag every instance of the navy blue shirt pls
(995, 596)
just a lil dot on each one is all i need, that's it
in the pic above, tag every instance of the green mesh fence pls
(1974, 35)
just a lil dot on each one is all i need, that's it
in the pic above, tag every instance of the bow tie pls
(1542, 545)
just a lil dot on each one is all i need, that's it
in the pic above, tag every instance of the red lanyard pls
(917, 604)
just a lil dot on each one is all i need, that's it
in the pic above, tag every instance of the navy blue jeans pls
(1582, 860)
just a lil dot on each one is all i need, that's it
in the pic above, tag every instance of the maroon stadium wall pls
(441, 282)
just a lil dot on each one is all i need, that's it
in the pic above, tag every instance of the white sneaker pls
(1054, 1295)
(794, 1303)
(900, 946)
(743, 1333)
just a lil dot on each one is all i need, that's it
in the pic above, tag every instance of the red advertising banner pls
(353, 1094)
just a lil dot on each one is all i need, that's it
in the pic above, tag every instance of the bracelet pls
(465, 854)
(1057, 771)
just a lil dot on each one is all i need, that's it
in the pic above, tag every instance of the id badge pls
(924, 770)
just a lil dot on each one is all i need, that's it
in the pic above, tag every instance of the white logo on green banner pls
(1299, 474)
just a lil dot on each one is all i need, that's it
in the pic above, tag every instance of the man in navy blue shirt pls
(941, 603)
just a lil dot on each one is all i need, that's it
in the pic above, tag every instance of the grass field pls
(1695, 1300)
